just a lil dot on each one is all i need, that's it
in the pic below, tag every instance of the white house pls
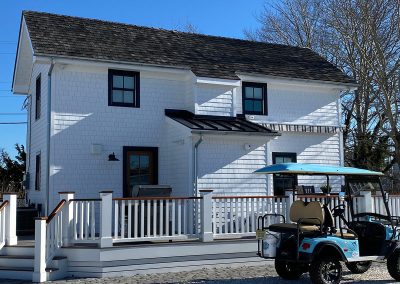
(112, 106)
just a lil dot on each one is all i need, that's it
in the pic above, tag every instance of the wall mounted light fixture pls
(112, 157)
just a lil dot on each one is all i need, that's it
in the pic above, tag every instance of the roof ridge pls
(170, 31)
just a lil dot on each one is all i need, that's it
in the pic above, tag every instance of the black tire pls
(359, 267)
(287, 270)
(393, 265)
(326, 271)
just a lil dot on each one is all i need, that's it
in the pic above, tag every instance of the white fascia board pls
(90, 62)
(21, 90)
(218, 81)
(261, 78)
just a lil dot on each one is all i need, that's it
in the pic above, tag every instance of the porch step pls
(27, 261)
(24, 273)
(20, 267)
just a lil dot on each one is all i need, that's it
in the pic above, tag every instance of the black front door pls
(283, 182)
(140, 167)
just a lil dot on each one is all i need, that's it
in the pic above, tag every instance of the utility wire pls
(12, 113)
(19, 122)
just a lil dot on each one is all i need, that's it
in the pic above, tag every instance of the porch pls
(111, 236)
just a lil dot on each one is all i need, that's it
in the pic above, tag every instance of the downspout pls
(48, 136)
(196, 164)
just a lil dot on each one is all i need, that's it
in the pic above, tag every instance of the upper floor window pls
(254, 98)
(123, 88)
(38, 172)
(38, 97)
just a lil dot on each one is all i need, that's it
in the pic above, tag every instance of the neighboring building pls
(187, 110)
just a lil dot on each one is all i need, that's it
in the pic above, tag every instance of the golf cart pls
(316, 242)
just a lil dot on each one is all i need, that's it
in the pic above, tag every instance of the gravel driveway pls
(237, 275)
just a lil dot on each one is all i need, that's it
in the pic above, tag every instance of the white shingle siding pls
(227, 167)
(214, 100)
(38, 134)
(313, 149)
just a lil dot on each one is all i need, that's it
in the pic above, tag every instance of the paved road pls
(236, 275)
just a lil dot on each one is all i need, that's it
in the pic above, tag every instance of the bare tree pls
(362, 39)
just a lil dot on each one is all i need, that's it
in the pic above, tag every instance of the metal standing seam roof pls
(204, 55)
(314, 169)
(204, 123)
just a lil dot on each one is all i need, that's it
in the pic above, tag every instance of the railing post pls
(289, 201)
(39, 273)
(106, 219)
(67, 217)
(206, 216)
(11, 219)
(366, 202)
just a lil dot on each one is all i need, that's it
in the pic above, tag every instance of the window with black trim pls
(38, 171)
(284, 182)
(38, 97)
(123, 88)
(254, 98)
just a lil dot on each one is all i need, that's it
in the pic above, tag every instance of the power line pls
(19, 122)
(7, 53)
(13, 113)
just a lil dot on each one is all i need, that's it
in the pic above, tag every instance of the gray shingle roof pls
(206, 56)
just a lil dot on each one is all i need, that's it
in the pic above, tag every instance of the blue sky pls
(215, 17)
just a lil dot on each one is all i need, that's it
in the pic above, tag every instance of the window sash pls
(38, 172)
(263, 100)
(126, 100)
(38, 97)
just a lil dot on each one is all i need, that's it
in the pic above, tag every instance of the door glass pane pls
(128, 82)
(248, 92)
(117, 96)
(134, 162)
(144, 164)
(258, 93)
(279, 160)
(118, 81)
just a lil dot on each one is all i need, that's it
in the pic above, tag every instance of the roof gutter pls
(48, 136)
(237, 133)
(196, 164)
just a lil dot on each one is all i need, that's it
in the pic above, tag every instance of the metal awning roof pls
(218, 124)
(313, 169)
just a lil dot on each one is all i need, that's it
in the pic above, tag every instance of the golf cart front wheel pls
(359, 267)
(393, 265)
(326, 271)
(288, 270)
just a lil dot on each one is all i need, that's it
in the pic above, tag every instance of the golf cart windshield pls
(356, 185)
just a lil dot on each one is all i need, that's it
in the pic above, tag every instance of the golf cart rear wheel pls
(288, 270)
(359, 267)
(393, 265)
(326, 270)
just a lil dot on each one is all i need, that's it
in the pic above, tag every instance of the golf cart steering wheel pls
(339, 210)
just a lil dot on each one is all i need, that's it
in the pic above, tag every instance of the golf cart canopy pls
(313, 169)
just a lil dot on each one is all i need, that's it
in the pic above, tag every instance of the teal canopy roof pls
(313, 169)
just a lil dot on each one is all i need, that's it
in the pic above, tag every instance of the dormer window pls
(254, 98)
(123, 88)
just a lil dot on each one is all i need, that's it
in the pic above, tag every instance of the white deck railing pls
(3, 223)
(145, 219)
(85, 224)
(236, 216)
(54, 238)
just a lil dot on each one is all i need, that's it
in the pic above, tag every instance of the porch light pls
(112, 157)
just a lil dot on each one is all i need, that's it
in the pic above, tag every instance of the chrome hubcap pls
(330, 272)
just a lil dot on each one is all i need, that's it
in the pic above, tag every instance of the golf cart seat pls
(307, 216)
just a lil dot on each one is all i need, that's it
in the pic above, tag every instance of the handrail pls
(156, 198)
(248, 197)
(85, 199)
(55, 211)
(4, 204)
